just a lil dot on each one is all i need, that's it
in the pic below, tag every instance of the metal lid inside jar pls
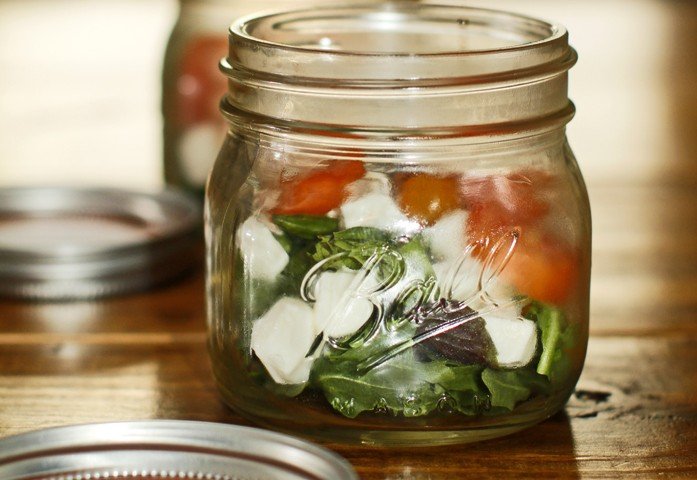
(62, 243)
(166, 449)
(417, 65)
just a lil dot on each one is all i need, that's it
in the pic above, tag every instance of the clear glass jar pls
(398, 233)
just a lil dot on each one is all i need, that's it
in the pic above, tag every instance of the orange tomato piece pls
(542, 266)
(543, 269)
(426, 197)
(319, 191)
(512, 199)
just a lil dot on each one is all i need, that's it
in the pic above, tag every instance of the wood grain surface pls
(634, 412)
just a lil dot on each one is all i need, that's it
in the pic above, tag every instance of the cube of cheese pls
(282, 337)
(376, 210)
(447, 237)
(338, 311)
(462, 279)
(264, 257)
(515, 339)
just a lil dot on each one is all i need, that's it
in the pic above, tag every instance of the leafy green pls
(285, 242)
(308, 227)
(550, 327)
(463, 385)
(556, 336)
(417, 281)
(384, 374)
(508, 387)
(466, 343)
(299, 264)
(376, 377)
(401, 385)
(458, 377)
(354, 246)
(396, 386)
(416, 258)
(392, 383)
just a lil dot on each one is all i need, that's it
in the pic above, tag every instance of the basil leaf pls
(556, 336)
(285, 242)
(397, 386)
(308, 227)
(505, 387)
(356, 244)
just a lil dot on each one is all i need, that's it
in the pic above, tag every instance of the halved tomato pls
(513, 199)
(319, 191)
(544, 269)
(502, 208)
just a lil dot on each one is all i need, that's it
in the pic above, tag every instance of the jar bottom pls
(422, 437)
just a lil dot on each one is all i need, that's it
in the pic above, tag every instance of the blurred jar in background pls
(192, 85)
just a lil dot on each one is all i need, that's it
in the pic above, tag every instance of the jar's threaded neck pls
(397, 66)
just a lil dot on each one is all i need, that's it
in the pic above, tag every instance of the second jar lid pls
(59, 243)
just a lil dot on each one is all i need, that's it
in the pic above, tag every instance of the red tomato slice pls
(513, 199)
(319, 191)
(543, 269)
(541, 266)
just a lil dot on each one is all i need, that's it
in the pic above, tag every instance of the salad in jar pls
(408, 294)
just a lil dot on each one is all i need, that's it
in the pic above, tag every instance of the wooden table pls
(634, 410)
(143, 356)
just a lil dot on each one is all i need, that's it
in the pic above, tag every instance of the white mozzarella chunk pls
(338, 312)
(417, 269)
(282, 337)
(372, 182)
(447, 237)
(376, 210)
(461, 279)
(463, 282)
(515, 339)
(264, 257)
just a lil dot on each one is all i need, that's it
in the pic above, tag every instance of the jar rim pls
(420, 65)
(244, 27)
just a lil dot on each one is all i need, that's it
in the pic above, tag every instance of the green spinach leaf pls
(356, 245)
(397, 386)
(556, 337)
(509, 387)
(308, 227)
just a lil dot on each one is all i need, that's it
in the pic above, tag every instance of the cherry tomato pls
(513, 199)
(543, 269)
(428, 197)
(319, 191)
(542, 265)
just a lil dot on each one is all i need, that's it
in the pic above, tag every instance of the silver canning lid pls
(166, 449)
(60, 243)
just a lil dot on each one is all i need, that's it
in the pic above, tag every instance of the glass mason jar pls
(398, 233)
